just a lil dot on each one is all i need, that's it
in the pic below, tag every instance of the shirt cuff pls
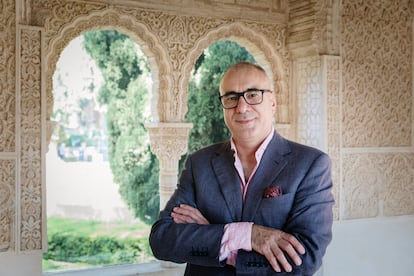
(237, 235)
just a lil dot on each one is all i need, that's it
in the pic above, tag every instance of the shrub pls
(95, 251)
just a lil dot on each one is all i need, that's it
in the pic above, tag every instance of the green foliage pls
(204, 109)
(125, 94)
(116, 56)
(99, 250)
(81, 243)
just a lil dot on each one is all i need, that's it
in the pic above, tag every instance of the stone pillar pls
(168, 142)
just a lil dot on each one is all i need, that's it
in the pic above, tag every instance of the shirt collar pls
(260, 150)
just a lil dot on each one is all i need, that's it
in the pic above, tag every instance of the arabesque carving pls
(378, 184)
(30, 171)
(377, 74)
(155, 29)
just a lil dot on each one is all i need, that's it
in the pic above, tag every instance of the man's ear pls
(274, 102)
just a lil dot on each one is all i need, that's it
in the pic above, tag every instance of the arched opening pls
(270, 57)
(204, 109)
(98, 144)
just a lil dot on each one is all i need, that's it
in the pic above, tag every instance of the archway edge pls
(259, 46)
(106, 19)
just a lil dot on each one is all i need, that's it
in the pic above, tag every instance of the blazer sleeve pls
(310, 221)
(190, 243)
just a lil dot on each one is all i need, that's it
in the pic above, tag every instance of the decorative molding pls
(30, 68)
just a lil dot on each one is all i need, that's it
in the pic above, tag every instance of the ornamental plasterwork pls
(173, 39)
(325, 35)
(7, 77)
(377, 74)
(7, 204)
(378, 184)
(150, 45)
(333, 107)
(30, 158)
(310, 102)
(169, 142)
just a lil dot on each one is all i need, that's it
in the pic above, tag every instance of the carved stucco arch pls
(149, 43)
(258, 46)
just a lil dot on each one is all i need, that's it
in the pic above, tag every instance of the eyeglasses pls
(252, 96)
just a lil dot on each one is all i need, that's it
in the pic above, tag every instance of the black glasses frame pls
(241, 94)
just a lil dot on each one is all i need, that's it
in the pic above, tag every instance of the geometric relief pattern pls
(378, 184)
(377, 72)
(30, 170)
(7, 78)
(7, 204)
(332, 65)
(310, 102)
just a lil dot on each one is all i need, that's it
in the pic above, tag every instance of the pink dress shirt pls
(237, 235)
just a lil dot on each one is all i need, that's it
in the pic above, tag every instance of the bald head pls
(241, 68)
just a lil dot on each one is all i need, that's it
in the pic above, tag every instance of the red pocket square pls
(272, 191)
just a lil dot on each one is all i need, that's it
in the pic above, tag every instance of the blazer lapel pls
(229, 181)
(270, 166)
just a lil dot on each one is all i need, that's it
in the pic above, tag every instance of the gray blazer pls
(210, 183)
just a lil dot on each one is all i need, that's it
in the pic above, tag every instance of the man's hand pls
(187, 214)
(274, 244)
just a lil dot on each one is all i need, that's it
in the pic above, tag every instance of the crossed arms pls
(191, 221)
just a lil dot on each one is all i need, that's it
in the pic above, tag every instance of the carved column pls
(168, 142)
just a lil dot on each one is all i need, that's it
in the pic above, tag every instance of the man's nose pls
(242, 105)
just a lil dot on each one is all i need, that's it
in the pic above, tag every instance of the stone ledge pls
(153, 268)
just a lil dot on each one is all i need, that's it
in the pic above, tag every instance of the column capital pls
(169, 140)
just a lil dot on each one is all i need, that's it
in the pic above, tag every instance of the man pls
(255, 205)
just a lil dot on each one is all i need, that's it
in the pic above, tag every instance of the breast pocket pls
(274, 211)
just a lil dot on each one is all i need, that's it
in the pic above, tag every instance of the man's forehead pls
(244, 78)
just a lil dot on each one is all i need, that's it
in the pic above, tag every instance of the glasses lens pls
(230, 100)
(253, 96)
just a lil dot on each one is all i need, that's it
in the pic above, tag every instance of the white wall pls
(21, 265)
(371, 247)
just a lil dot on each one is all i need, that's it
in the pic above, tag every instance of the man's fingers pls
(270, 256)
(294, 242)
(287, 247)
(187, 214)
(281, 259)
(276, 245)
